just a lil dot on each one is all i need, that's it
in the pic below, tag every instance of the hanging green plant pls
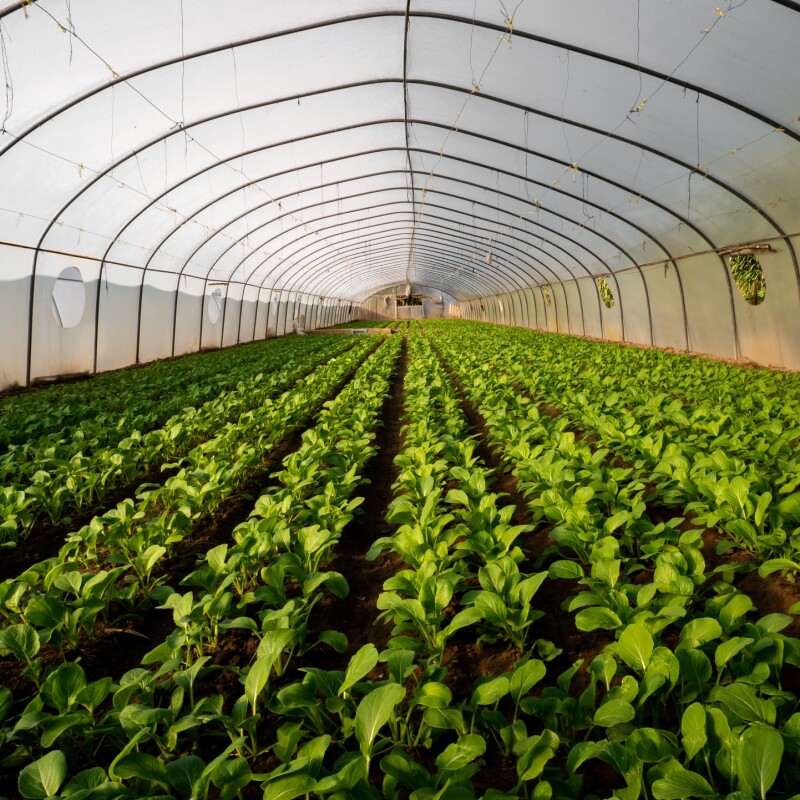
(548, 298)
(749, 277)
(606, 294)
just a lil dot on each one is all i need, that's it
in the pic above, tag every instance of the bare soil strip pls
(355, 615)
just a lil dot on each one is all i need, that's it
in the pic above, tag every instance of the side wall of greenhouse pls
(77, 323)
(692, 305)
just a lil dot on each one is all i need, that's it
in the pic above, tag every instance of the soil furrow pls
(355, 615)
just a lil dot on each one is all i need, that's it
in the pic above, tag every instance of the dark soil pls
(355, 615)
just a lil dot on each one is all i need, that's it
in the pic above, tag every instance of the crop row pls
(677, 686)
(152, 392)
(56, 476)
(736, 469)
(688, 696)
(266, 582)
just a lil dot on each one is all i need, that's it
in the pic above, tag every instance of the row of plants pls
(152, 392)
(115, 558)
(163, 736)
(688, 696)
(55, 476)
(461, 583)
(734, 466)
(657, 677)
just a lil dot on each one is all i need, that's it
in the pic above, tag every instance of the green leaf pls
(680, 783)
(590, 619)
(361, 664)
(63, 685)
(742, 701)
(231, 777)
(43, 778)
(374, 712)
(490, 692)
(583, 751)
(533, 754)
(566, 569)
(775, 564)
(22, 641)
(635, 646)
(433, 694)
(405, 770)
(456, 756)
(693, 730)
(141, 765)
(256, 680)
(614, 712)
(289, 786)
(184, 772)
(650, 745)
(789, 508)
(727, 650)
(526, 677)
(699, 631)
(334, 639)
(759, 759)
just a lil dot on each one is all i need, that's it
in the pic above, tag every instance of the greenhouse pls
(400, 399)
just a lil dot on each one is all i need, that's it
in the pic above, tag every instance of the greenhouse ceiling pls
(333, 149)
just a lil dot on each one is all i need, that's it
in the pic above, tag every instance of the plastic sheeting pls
(213, 170)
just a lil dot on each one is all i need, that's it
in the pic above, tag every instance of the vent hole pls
(214, 306)
(69, 298)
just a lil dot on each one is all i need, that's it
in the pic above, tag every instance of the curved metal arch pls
(298, 239)
(442, 258)
(392, 264)
(668, 211)
(469, 21)
(507, 144)
(528, 151)
(559, 215)
(560, 234)
(506, 283)
(591, 174)
(437, 282)
(521, 34)
(538, 154)
(471, 229)
(534, 223)
(471, 226)
(741, 197)
(423, 236)
(433, 258)
(362, 176)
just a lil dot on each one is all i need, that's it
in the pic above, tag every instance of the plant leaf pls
(590, 619)
(759, 759)
(635, 646)
(360, 665)
(693, 730)
(43, 778)
(614, 712)
(456, 756)
(680, 783)
(374, 712)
